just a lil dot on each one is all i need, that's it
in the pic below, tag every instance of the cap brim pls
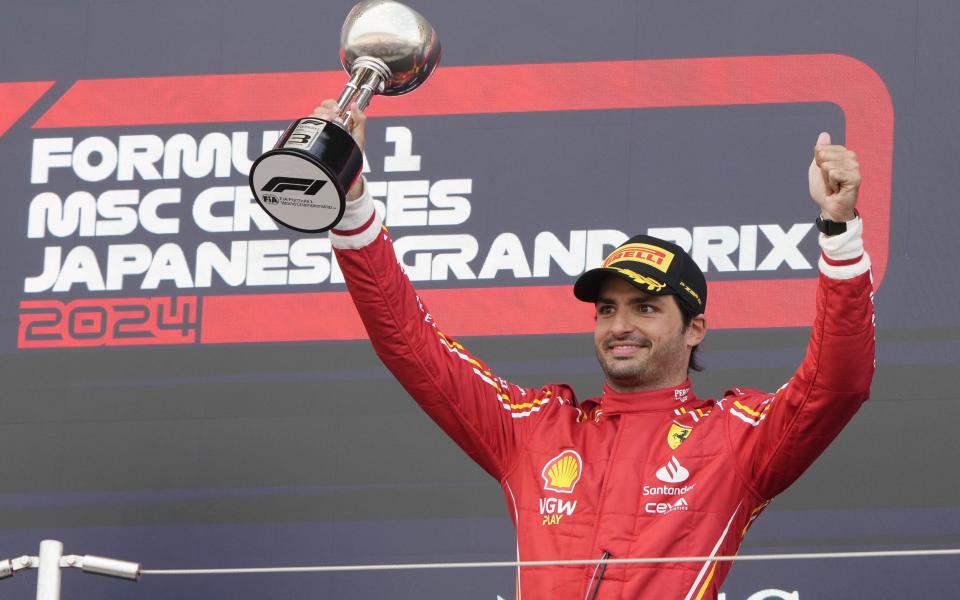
(587, 286)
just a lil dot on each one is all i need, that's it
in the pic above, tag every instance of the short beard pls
(624, 375)
(657, 371)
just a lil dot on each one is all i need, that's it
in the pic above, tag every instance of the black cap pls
(653, 265)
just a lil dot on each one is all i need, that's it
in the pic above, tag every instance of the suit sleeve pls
(777, 436)
(488, 417)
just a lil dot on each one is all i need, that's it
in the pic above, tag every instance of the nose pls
(622, 324)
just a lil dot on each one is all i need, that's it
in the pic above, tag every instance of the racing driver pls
(648, 469)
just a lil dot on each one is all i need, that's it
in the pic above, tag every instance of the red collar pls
(613, 402)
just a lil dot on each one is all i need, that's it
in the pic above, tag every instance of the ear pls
(696, 331)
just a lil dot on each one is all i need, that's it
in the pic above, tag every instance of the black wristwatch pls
(829, 228)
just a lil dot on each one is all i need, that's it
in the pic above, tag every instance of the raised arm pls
(779, 435)
(487, 416)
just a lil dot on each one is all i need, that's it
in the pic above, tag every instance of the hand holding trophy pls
(388, 48)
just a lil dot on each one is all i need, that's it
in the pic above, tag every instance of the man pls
(648, 469)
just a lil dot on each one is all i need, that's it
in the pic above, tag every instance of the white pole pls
(48, 572)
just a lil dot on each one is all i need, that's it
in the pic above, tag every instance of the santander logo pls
(672, 472)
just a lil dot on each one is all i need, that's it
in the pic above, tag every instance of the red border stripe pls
(355, 231)
(840, 263)
(189, 99)
(475, 90)
(480, 311)
(17, 98)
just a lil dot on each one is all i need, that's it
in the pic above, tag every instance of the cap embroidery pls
(652, 284)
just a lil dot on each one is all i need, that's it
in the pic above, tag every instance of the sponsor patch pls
(651, 284)
(667, 490)
(553, 510)
(656, 257)
(663, 508)
(677, 434)
(673, 472)
(692, 293)
(562, 472)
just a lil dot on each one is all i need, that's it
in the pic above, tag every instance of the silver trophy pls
(387, 48)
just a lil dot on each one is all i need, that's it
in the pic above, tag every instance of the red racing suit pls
(652, 474)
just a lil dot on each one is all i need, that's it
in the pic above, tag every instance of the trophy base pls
(303, 182)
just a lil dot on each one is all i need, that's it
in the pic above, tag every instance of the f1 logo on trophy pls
(388, 48)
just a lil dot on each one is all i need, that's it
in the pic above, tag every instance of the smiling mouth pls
(625, 349)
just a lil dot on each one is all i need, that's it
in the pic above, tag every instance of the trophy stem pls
(363, 85)
(367, 78)
(349, 91)
(371, 85)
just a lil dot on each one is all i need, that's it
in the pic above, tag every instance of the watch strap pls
(828, 227)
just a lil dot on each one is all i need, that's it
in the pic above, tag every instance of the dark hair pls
(687, 314)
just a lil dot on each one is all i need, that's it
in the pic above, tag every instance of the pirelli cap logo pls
(658, 258)
(562, 472)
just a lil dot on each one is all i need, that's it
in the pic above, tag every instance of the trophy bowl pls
(396, 35)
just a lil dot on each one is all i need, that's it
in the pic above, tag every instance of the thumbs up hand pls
(834, 178)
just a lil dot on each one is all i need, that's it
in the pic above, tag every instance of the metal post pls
(48, 571)
(110, 567)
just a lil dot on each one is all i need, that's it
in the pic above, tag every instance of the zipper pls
(607, 476)
(597, 577)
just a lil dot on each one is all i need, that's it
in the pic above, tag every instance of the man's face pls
(640, 340)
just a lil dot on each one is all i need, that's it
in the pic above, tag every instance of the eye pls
(646, 308)
(604, 310)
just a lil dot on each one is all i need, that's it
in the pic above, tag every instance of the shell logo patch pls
(562, 472)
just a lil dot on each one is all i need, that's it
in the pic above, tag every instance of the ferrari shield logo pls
(677, 434)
